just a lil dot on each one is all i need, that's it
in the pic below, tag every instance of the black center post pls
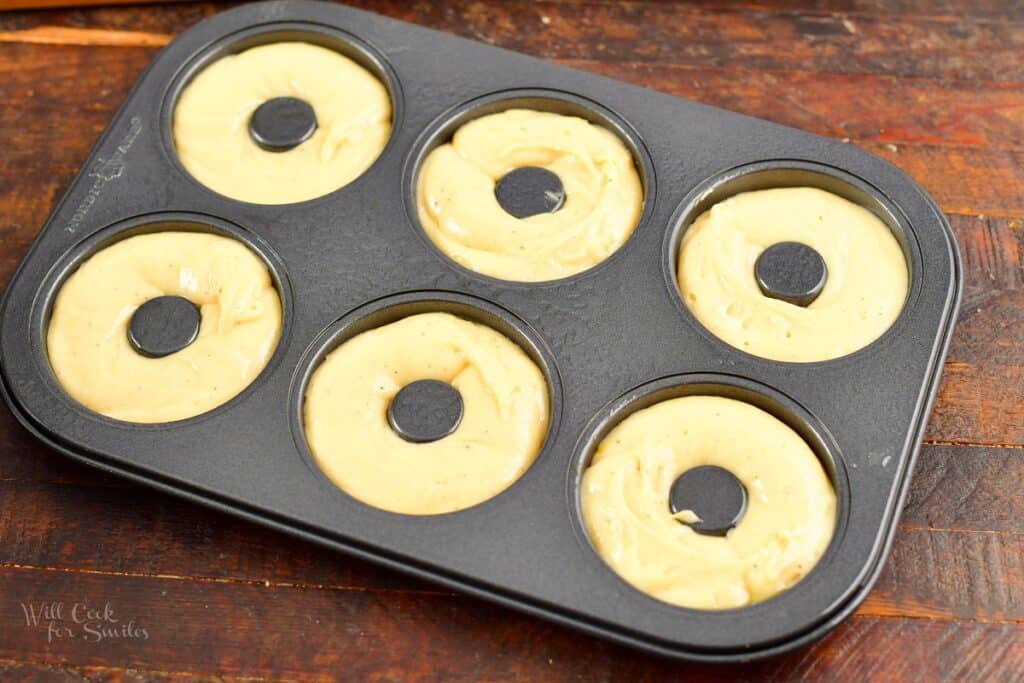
(425, 410)
(282, 123)
(713, 494)
(792, 272)
(163, 325)
(529, 191)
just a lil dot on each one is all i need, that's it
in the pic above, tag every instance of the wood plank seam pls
(97, 37)
(876, 605)
(970, 444)
(69, 667)
(844, 14)
(1000, 533)
(797, 10)
(803, 10)
(230, 580)
(85, 37)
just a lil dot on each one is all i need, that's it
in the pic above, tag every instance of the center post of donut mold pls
(709, 499)
(282, 123)
(792, 272)
(164, 325)
(530, 191)
(425, 410)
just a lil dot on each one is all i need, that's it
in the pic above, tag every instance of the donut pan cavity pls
(609, 340)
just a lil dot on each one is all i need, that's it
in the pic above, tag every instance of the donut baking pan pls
(610, 340)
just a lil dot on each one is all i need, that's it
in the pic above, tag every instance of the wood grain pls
(986, 351)
(285, 632)
(69, 35)
(49, 4)
(682, 33)
(919, 45)
(949, 10)
(936, 87)
(21, 671)
(967, 489)
(965, 513)
(978, 179)
(966, 148)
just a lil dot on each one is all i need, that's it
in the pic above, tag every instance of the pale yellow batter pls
(460, 213)
(504, 422)
(211, 123)
(789, 520)
(863, 294)
(88, 334)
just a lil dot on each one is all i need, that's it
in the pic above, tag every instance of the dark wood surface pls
(936, 87)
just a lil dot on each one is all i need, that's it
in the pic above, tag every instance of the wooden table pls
(939, 90)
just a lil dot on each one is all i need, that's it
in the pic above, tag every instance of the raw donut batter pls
(211, 123)
(504, 423)
(88, 342)
(787, 525)
(863, 295)
(460, 213)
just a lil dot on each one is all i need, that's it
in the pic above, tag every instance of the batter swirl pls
(88, 342)
(787, 525)
(211, 123)
(502, 430)
(863, 295)
(459, 212)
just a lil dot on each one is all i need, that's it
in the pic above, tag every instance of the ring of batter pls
(87, 339)
(504, 423)
(788, 523)
(211, 123)
(460, 214)
(864, 293)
